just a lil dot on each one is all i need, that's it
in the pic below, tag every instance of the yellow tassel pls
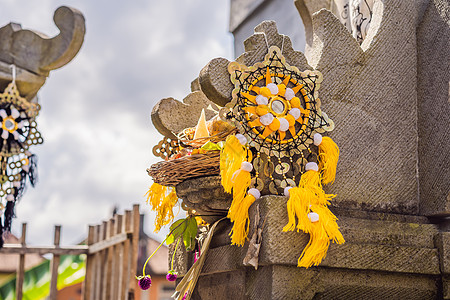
(310, 180)
(238, 212)
(162, 199)
(316, 249)
(328, 159)
(231, 158)
(297, 208)
(239, 217)
(240, 181)
(309, 197)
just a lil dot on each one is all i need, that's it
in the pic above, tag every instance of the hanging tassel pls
(310, 180)
(19, 186)
(1, 230)
(32, 172)
(238, 214)
(307, 205)
(231, 158)
(328, 157)
(162, 199)
(9, 213)
(297, 208)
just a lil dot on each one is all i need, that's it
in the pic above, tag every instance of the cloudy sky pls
(95, 116)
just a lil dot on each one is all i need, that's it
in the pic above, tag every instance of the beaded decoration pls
(18, 133)
(279, 150)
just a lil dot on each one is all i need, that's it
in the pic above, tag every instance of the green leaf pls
(189, 234)
(177, 229)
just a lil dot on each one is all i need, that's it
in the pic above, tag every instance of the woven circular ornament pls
(276, 106)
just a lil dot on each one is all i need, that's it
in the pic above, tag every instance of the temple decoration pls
(18, 164)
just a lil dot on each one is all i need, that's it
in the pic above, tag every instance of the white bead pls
(261, 100)
(273, 88)
(16, 183)
(295, 112)
(20, 124)
(267, 119)
(3, 113)
(5, 134)
(284, 124)
(15, 113)
(255, 193)
(289, 94)
(241, 139)
(313, 217)
(246, 166)
(10, 198)
(317, 139)
(286, 191)
(26, 168)
(311, 166)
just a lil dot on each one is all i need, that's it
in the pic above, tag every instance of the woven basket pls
(173, 172)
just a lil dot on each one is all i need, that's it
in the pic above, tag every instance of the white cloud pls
(95, 116)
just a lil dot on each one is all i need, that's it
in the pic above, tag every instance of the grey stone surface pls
(255, 11)
(170, 116)
(433, 91)
(206, 195)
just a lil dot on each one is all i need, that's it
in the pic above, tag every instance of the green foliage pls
(36, 285)
(186, 229)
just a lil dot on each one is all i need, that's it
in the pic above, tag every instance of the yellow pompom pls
(265, 92)
(274, 125)
(261, 110)
(290, 119)
(295, 102)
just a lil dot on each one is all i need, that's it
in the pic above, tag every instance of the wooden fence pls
(111, 258)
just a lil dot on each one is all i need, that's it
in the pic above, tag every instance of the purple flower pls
(171, 275)
(145, 282)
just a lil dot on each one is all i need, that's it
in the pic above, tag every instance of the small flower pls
(172, 275)
(144, 282)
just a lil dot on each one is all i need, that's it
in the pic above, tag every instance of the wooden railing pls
(111, 260)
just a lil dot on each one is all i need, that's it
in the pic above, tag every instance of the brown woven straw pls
(173, 172)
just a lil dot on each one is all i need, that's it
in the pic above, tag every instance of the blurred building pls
(245, 15)
(10, 262)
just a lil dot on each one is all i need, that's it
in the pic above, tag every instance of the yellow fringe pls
(310, 197)
(310, 180)
(231, 158)
(328, 159)
(240, 220)
(162, 199)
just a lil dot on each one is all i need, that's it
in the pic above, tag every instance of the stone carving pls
(170, 116)
(35, 54)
